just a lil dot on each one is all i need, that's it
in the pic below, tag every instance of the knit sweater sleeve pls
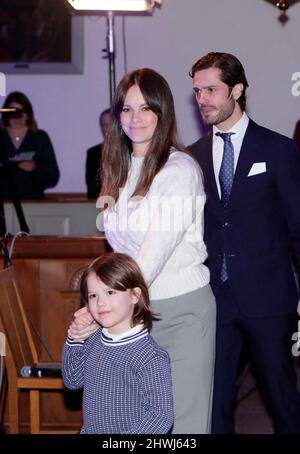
(73, 364)
(156, 389)
(176, 202)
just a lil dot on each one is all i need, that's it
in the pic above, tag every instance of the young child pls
(125, 375)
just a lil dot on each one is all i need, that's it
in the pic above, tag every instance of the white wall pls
(169, 41)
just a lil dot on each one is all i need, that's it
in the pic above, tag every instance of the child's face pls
(111, 308)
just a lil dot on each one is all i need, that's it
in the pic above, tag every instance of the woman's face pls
(138, 121)
(19, 118)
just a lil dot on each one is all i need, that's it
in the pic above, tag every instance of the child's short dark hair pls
(120, 272)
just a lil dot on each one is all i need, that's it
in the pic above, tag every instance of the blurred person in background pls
(28, 150)
(93, 157)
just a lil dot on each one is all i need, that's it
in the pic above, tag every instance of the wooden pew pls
(48, 271)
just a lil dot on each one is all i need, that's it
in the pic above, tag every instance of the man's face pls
(214, 97)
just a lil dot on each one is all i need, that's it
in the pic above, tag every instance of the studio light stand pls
(111, 6)
(111, 54)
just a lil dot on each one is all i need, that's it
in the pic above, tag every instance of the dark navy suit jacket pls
(261, 224)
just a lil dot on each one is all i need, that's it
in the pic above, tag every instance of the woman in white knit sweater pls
(152, 202)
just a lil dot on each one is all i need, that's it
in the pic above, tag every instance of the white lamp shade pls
(114, 5)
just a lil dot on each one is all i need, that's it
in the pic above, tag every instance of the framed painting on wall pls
(40, 37)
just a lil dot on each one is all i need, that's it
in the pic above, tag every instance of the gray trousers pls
(186, 330)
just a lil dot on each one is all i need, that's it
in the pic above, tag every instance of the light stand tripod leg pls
(111, 54)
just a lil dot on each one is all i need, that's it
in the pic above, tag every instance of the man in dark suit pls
(252, 217)
(93, 158)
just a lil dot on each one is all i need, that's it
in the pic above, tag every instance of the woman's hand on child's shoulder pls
(83, 325)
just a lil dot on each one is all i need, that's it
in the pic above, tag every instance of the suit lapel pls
(245, 161)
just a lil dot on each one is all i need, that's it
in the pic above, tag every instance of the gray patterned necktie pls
(226, 179)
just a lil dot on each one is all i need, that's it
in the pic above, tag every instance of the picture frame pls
(40, 37)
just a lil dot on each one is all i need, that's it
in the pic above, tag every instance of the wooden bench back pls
(14, 321)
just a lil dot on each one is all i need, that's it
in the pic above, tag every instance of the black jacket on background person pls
(93, 157)
(30, 185)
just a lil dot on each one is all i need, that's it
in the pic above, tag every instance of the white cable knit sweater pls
(163, 231)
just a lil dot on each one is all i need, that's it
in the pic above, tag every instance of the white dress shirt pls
(237, 138)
